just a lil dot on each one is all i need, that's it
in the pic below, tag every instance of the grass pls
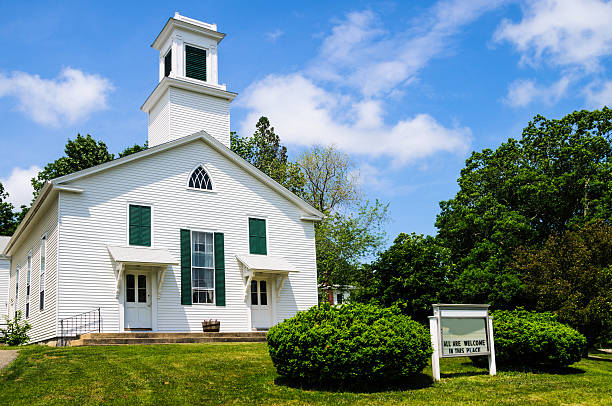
(243, 374)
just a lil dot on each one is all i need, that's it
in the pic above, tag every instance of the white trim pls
(57, 183)
(208, 67)
(214, 301)
(188, 24)
(185, 83)
(127, 226)
(42, 276)
(248, 231)
(212, 181)
(57, 263)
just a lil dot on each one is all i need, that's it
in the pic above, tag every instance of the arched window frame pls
(212, 181)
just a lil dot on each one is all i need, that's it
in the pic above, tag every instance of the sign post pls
(461, 330)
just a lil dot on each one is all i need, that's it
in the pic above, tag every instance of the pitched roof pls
(59, 184)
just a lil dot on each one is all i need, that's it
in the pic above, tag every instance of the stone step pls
(166, 340)
(170, 335)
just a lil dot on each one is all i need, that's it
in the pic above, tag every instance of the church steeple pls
(188, 97)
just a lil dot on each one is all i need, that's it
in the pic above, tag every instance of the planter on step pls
(211, 326)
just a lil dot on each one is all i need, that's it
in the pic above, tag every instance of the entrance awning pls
(142, 256)
(263, 264)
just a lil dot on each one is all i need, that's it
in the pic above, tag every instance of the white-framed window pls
(202, 267)
(196, 62)
(43, 268)
(259, 294)
(27, 306)
(200, 179)
(17, 269)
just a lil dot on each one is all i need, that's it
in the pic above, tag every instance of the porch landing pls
(166, 338)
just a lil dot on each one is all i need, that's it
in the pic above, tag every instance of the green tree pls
(558, 174)
(345, 240)
(81, 153)
(412, 274)
(353, 229)
(331, 179)
(133, 149)
(8, 222)
(571, 275)
(264, 151)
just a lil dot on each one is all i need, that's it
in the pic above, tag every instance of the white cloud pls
(274, 35)
(362, 54)
(18, 185)
(69, 98)
(599, 95)
(342, 94)
(316, 116)
(561, 32)
(525, 91)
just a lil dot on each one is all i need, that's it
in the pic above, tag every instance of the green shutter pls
(134, 225)
(140, 225)
(168, 63)
(185, 267)
(257, 236)
(195, 63)
(219, 269)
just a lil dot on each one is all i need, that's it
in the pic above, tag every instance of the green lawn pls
(243, 374)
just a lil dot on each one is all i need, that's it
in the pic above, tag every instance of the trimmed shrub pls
(530, 338)
(349, 344)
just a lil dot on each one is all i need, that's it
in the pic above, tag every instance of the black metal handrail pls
(86, 322)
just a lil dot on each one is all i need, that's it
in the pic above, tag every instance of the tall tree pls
(413, 273)
(571, 275)
(353, 229)
(331, 179)
(558, 174)
(264, 151)
(81, 153)
(8, 222)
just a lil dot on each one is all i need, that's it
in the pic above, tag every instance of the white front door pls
(137, 301)
(261, 308)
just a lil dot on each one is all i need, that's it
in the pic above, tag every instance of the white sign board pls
(464, 337)
(461, 330)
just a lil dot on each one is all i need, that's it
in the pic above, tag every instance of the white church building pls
(164, 239)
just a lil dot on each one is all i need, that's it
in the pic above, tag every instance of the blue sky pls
(407, 89)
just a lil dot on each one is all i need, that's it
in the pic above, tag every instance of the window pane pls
(142, 288)
(254, 298)
(263, 293)
(130, 291)
(339, 298)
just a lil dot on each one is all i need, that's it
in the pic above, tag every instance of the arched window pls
(200, 180)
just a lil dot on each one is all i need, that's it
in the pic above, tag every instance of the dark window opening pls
(195, 63)
(168, 63)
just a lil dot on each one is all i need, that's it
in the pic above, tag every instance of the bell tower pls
(188, 97)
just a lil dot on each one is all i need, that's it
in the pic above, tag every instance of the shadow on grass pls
(594, 355)
(417, 381)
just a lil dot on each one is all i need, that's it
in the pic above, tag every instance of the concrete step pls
(170, 335)
(166, 338)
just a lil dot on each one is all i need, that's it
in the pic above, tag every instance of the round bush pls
(352, 344)
(530, 338)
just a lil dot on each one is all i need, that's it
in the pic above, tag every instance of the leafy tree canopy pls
(264, 151)
(557, 175)
(81, 153)
(412, 274)
(7, 217)
(571, 275)
(133, 149)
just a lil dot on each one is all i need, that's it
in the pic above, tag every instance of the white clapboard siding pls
(98, 217)
(5, 269)
(43, 323)
(159, 121)
(191, 112)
